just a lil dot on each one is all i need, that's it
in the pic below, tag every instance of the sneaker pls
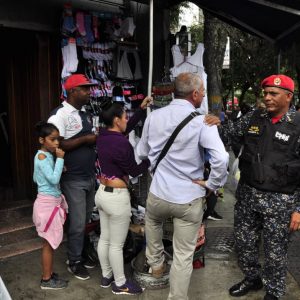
(78, 270)
(53, 284)
(89, 264)
(214, 216)
(56, 276)
(106, 282)
(128, 288)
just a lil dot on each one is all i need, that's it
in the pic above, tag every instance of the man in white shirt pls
(178, 189)
(78, 179)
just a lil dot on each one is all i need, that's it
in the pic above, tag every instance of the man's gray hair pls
(186, 83)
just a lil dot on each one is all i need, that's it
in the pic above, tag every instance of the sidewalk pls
(21, 274)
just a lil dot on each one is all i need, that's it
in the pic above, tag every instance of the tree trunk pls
(215, 38)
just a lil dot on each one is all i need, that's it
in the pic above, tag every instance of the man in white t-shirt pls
(78, 179)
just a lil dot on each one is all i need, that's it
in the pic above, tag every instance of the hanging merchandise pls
(128, 65)
(68, 25)
(80, 23)
(193, 64)
(101, 46)
(69, 54)
(162, 94)
(126, 29)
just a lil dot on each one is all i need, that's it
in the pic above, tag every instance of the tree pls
(174, 15)
(215, 38)
(196, 31)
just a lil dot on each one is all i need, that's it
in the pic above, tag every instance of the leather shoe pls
(270, 297)
(242, 288)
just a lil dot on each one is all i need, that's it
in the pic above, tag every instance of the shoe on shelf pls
(242, 288)
(53, 284)
(270, 297)
(214, 216)
(128, 288)
(89, 263)
(106, 282)
(78, 270)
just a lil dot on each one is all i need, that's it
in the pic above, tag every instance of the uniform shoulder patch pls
(254, 129)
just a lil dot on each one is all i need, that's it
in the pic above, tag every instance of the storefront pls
(31, 72)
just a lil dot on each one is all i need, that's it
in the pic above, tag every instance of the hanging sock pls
(80, 23)
(72, 59)
(88, 28)
(68, 26)
(64, 51)
(95, 27)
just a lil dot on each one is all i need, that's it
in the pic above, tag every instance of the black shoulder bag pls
(170, 141)
(133, 197)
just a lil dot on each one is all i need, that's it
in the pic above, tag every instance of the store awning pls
(277, 21)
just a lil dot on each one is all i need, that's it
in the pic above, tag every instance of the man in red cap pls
(268, 193)
(78, 179)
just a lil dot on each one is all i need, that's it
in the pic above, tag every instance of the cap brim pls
(88, 84)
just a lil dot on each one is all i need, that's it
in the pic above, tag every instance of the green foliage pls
(174, 15)
(196, 35)
(252, 59)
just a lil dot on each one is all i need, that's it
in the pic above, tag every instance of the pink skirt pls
(49, 215)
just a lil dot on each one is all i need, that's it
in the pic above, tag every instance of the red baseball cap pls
(76, 80)
(279, 81)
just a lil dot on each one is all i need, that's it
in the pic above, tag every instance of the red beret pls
(77, 80)
(279, 81)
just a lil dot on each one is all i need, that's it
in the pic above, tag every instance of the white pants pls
(186, 220)
(115, 212)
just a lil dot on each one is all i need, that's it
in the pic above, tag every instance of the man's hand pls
(203, 184)
(211, 120)
(200, 182)
(90, 139)
(295, 221)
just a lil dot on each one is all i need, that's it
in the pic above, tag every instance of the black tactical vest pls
(271, 157)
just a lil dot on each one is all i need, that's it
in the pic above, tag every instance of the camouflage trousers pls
(252, 224)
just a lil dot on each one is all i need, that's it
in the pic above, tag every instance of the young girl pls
(49, 210)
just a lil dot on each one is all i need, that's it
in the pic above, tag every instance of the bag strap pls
(241, 151)
(173, 136)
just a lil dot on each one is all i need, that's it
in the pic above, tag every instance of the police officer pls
(268, 194)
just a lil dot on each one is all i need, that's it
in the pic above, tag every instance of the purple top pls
(115, 153)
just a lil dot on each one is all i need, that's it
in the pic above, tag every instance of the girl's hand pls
(146, 102)
(59, 153)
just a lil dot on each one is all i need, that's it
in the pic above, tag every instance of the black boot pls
(242, 288)
(270, 297)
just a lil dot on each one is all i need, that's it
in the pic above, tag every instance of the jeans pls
(186, 220)
(80, 196)
(115, 212)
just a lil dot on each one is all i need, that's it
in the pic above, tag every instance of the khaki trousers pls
(186, 221)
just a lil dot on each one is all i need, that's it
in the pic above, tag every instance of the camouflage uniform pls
(267, 212)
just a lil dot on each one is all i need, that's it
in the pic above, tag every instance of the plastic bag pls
(235, 174)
